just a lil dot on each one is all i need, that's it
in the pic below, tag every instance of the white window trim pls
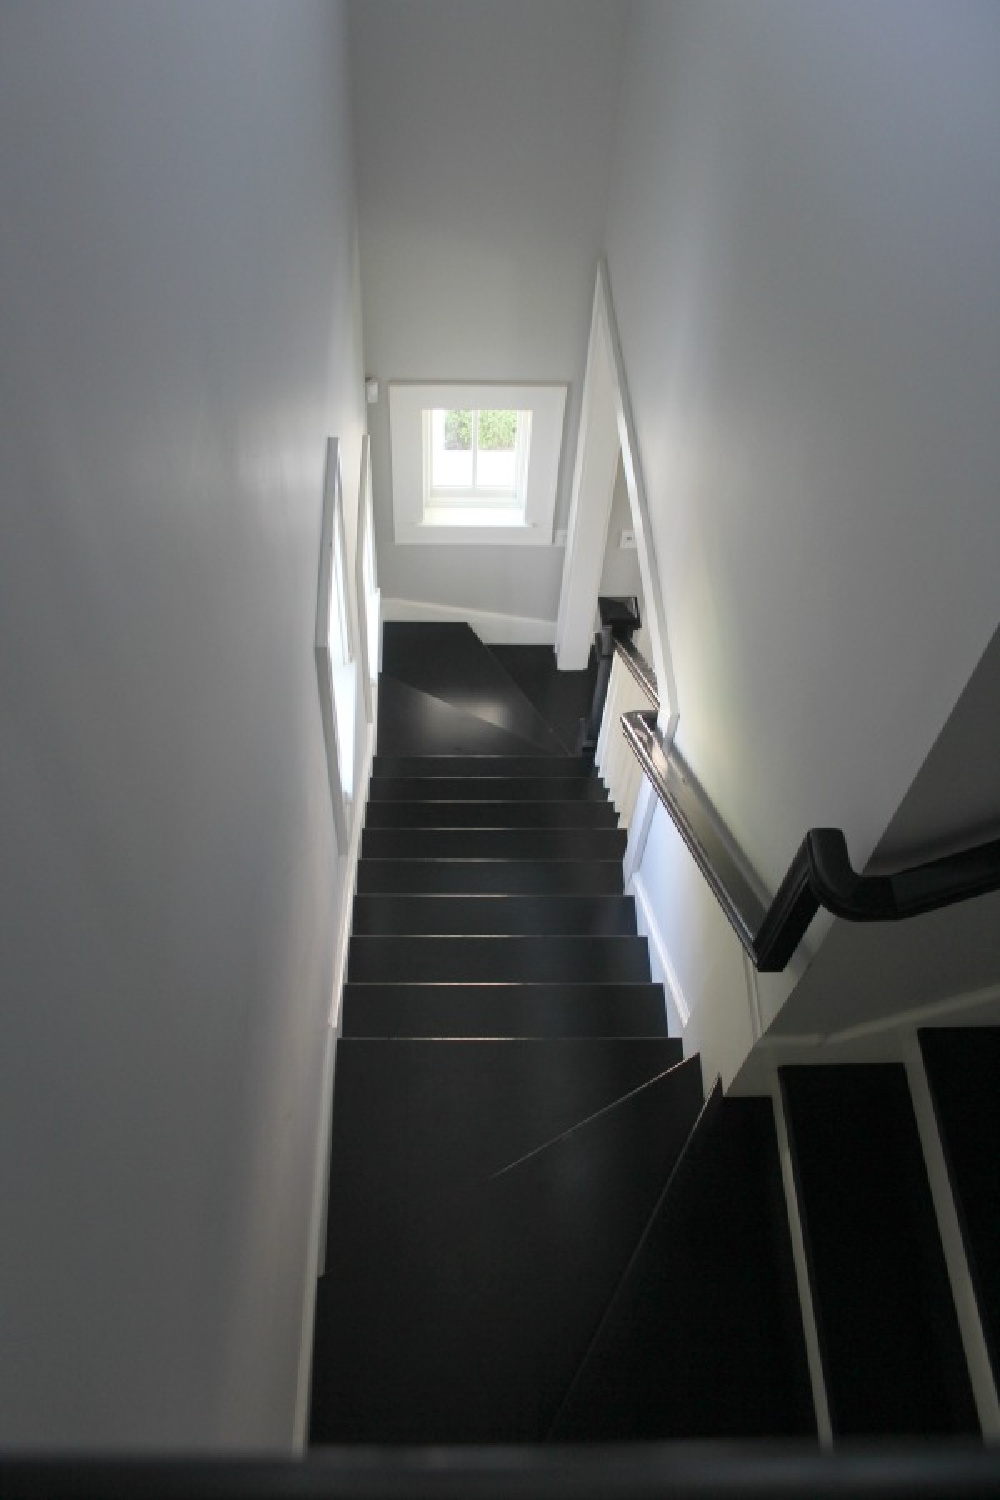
(421, 523)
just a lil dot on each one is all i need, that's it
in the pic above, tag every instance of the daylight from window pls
(478, 454)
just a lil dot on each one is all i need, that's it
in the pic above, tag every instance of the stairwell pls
(539, 1228)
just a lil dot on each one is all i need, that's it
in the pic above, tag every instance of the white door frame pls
(607, 429)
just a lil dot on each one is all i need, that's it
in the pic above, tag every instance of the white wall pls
(804, 239)
(803, 242)
(178, 333)
(923, 967)
(484, 139)
(620, 573)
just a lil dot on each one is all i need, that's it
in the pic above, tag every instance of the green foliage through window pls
(497, 430)
(458, 429)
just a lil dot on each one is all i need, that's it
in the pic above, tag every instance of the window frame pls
(479, 494)
(423, 518)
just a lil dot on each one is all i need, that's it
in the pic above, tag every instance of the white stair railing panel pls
(618, 767)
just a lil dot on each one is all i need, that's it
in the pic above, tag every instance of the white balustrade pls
(618, 767)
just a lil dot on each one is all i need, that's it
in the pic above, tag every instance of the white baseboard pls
(660, 956)
(321, 1175)
(317, 1225)
(493, 629)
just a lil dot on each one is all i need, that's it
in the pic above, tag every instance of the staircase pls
(538, 1226)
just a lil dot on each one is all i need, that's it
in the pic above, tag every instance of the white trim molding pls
(650, 928)
(526, 523)
(332, 527)
(315, 1252)
(607, 428)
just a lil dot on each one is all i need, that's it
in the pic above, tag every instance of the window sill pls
(475, 527)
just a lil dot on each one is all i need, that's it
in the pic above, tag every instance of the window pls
(476, 456)
(475, 463)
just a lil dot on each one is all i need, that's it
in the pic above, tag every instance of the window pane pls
(496, 433)
(458, 429)
(451, 450)
(497, 429)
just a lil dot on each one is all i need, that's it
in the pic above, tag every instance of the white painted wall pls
(803, 243)
(179, 331)
(620, 573)
(804, 240)
(484, 141)
(947, 962)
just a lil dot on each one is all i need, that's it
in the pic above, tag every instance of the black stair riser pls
(888, 1332)
(963, 1071)
(596, 916)
(495, 1010)
(491, 815)
(515, 877)
(480, 765)
(602, 960)
(486, 789)
(493, 843)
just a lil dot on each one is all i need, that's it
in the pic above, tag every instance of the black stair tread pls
(963, 1070)
(468, 1328)
(486, 789)
(552, 957)
(562, 698)
(704, 1336)
(413, 723)
(505, 1010)
(493, 843)
(390, 763)
(594, 915)
(415, 1120)
(491, 876)
(491, 814)
(450, 662)
(892, 1352)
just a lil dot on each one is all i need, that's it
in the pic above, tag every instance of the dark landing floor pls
(443, 693)
(509, 1110)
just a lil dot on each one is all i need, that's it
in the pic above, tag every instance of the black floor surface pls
(508, 1108)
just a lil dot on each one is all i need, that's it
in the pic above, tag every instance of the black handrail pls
(820, 875)
(619, 620)
(625, 1471)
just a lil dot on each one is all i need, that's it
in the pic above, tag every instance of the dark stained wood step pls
(594, 916)
(466, 814)
(486, 789)
(491, 876)
(493, 843)
(467, 1326)
(388, 763)
(415, 1120)
(548, 959)
(505, 1010)
(704, 1336)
